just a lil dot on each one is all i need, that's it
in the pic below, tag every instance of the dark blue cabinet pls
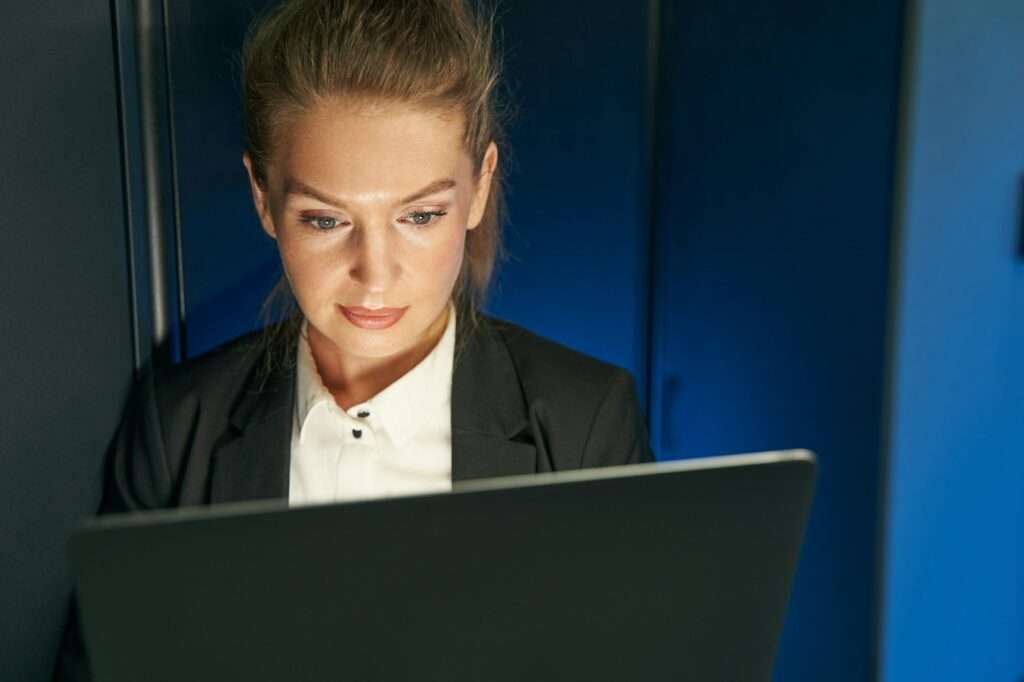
(777, 130)
(228, 265)
(577, 239)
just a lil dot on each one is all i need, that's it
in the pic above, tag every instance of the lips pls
(379, 318)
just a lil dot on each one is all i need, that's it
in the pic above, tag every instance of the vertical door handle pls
(1020, 235)
(669, 393)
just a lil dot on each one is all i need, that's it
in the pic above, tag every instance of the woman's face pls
(370, 204)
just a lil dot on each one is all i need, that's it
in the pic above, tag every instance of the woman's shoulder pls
(587, 409)
(224, 369)
(550, 365)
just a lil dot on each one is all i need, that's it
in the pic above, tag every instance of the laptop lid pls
(664, 571)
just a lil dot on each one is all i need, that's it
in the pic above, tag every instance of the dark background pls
(795, 222)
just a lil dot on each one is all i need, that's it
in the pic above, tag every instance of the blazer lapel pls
(253, 463)
(491, 433)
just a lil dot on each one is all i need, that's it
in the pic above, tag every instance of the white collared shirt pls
(397, 442)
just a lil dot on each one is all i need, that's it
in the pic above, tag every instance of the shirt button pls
(363, 414)
(357, 433)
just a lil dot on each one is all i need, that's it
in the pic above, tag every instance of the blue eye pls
(424, 218)
(320, 222)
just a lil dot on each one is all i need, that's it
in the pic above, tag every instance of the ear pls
(483, 186)
(259, 198)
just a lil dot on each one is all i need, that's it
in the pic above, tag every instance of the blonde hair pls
(432, 53)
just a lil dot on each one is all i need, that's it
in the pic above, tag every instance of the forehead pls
(373, 147)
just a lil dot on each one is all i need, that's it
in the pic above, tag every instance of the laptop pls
(665, 571)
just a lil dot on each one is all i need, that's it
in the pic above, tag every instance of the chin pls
(374, 343)
(370, 344)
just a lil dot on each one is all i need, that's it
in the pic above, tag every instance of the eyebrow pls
(293, 186)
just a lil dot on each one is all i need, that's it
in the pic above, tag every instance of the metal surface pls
(64, 290)
(650, 572)
(149, 178)
(646, 385)
(150, 517)
(150, 64)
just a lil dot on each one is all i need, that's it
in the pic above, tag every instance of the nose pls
(373, 262)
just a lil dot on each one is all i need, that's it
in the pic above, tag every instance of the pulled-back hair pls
(431, 53)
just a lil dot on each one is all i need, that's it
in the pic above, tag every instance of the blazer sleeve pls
(618, 434)
(136, 477)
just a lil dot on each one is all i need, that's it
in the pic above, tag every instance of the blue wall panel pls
(776, 143)
(577, 238)
(955, 552)
(228, 264)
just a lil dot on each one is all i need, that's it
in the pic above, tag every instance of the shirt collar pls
(401, 408)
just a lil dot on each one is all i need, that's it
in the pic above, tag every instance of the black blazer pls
(218, 429)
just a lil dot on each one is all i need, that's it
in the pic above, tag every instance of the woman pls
(372, 150)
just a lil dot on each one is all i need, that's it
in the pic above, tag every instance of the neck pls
(353, 380)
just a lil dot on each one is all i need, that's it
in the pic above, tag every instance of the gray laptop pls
(666, 571)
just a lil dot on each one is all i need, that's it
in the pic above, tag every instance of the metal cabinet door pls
(774, 191)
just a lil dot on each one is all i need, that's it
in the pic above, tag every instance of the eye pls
(320, 222)
(423, 218)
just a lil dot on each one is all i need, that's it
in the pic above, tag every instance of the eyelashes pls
(320, 223)
(425, 218)
(418, 219)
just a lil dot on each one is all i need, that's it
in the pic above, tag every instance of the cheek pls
(308, 267)
(445, 261)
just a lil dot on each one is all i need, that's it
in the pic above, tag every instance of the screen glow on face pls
(370, 205)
